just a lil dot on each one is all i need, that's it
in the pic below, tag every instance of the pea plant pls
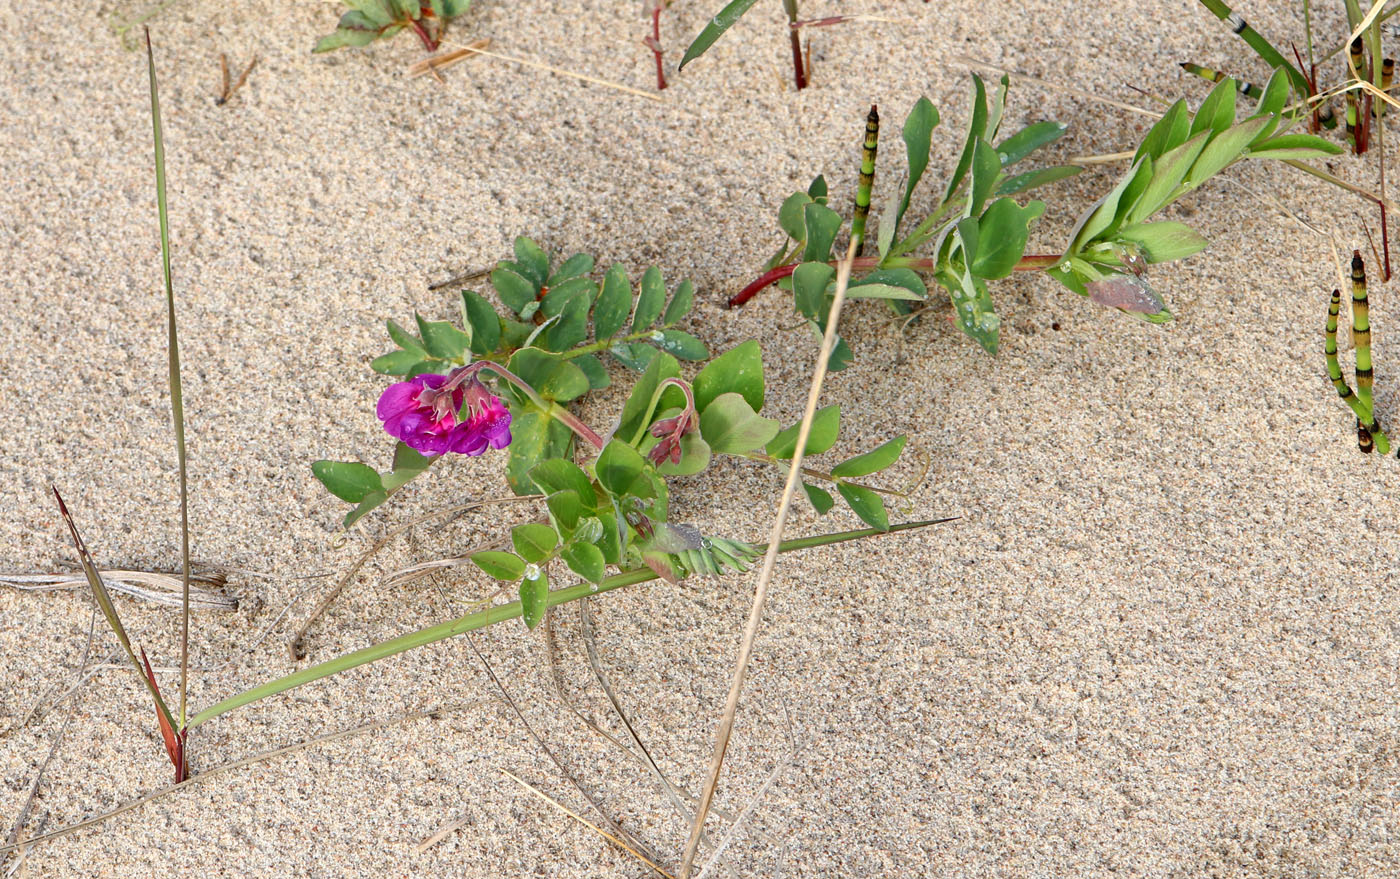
(370, 20)
(977, 231)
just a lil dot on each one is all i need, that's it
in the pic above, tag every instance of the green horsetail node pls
(1367, 431)
(1248, 89)
(867, 179)
(1361, 332)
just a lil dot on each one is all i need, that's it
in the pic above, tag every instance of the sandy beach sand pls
(1162, 640)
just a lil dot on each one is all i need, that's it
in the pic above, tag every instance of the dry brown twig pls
(770, 558)
(227, 91)
(152, 586)
(434, 64)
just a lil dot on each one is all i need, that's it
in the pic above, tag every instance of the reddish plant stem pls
(428, 42)
(1032, 263)
(655, 45)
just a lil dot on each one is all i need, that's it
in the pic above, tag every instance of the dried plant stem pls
(770, 558)
(296, 645)
(528, 62)
(151, 586)
(442, 62)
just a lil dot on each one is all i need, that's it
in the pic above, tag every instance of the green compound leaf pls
(650, 301)
(586, 560)
(535, 437)
(515, 292)
(826, 424)
(680, 344)
(535, 262)
(866, 504)
(614, 304)
(566, 508)
(821, 499)
(396, 363)
(534, 596)
(871, 462)
(593, 368)
(680, 304)
(716, 27)
(575, 266)
(738, 370)
(500, 565)
(551, 376)
(731, 426)
(533, 541)
(483, 321)
(348, 480)
(442, 339)
(618, 466)
(405, 340)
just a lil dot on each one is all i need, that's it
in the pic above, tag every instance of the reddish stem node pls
(428, 42)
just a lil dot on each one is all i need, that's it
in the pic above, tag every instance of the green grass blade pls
(715, 29)
(177, 405)
(482, 618)
(1262, 47)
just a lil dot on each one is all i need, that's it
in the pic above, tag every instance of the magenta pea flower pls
(428, 414)
(420, 412)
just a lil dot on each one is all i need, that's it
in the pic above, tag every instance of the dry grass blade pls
(152, 586)
(104, 603)
(770, 558)
(296, 645)
(559, 70)
(259, 757)
(586, 823)
(744, 816)
(597, 807)
(442, 62)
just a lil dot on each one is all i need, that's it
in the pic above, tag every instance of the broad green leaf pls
(1102, 213)
(901, 277)
(986, 171)
(650, 301)
(817, 189)
(680, 304)
(822, 224)
(918, 135)
(996, 108)
(593, 368)
(738, 370)
(730, 425)
(1168, 133)
(821, 499)
(976, 314)
(1164, 241)
(1224, 149)
(551, 376)
(529, 256)
(347, 480)
(499, 565)
(976, 125)
(557, 474)
(614, 304)
(722, 22)
(572, 325)
(1217, 111)
(809, 283)
(1028, 140)
(534, 596)
(396, 362)
(535, 437)
(514, 290)
(1004, 229)
(408, 464)
(442, 339)
(558, 297)
(405, 340)
(695, 456)
(871, 462)
(636, 356)
(881, 291)
(680, 344)
(566, 508)
(533, 541)
(866, 504)
(575, 266)
(1293, 146)
(888, 222)
(791, 216)
(618, 466)
(1035, 179)
(484, 322)
(826, 424)
(586, 560)
(1273, 99)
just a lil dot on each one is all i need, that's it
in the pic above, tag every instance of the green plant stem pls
(605, 344)
(553, 410)
(490, 615)
(818, 474)
(656, 399)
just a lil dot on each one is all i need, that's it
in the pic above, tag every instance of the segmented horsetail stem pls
(867, 178)
(1387, 79)
(1248, 89)
(1367, 431)
(1356, 123)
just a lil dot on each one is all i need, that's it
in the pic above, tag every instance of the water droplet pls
(705, 542)
(592, 587)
